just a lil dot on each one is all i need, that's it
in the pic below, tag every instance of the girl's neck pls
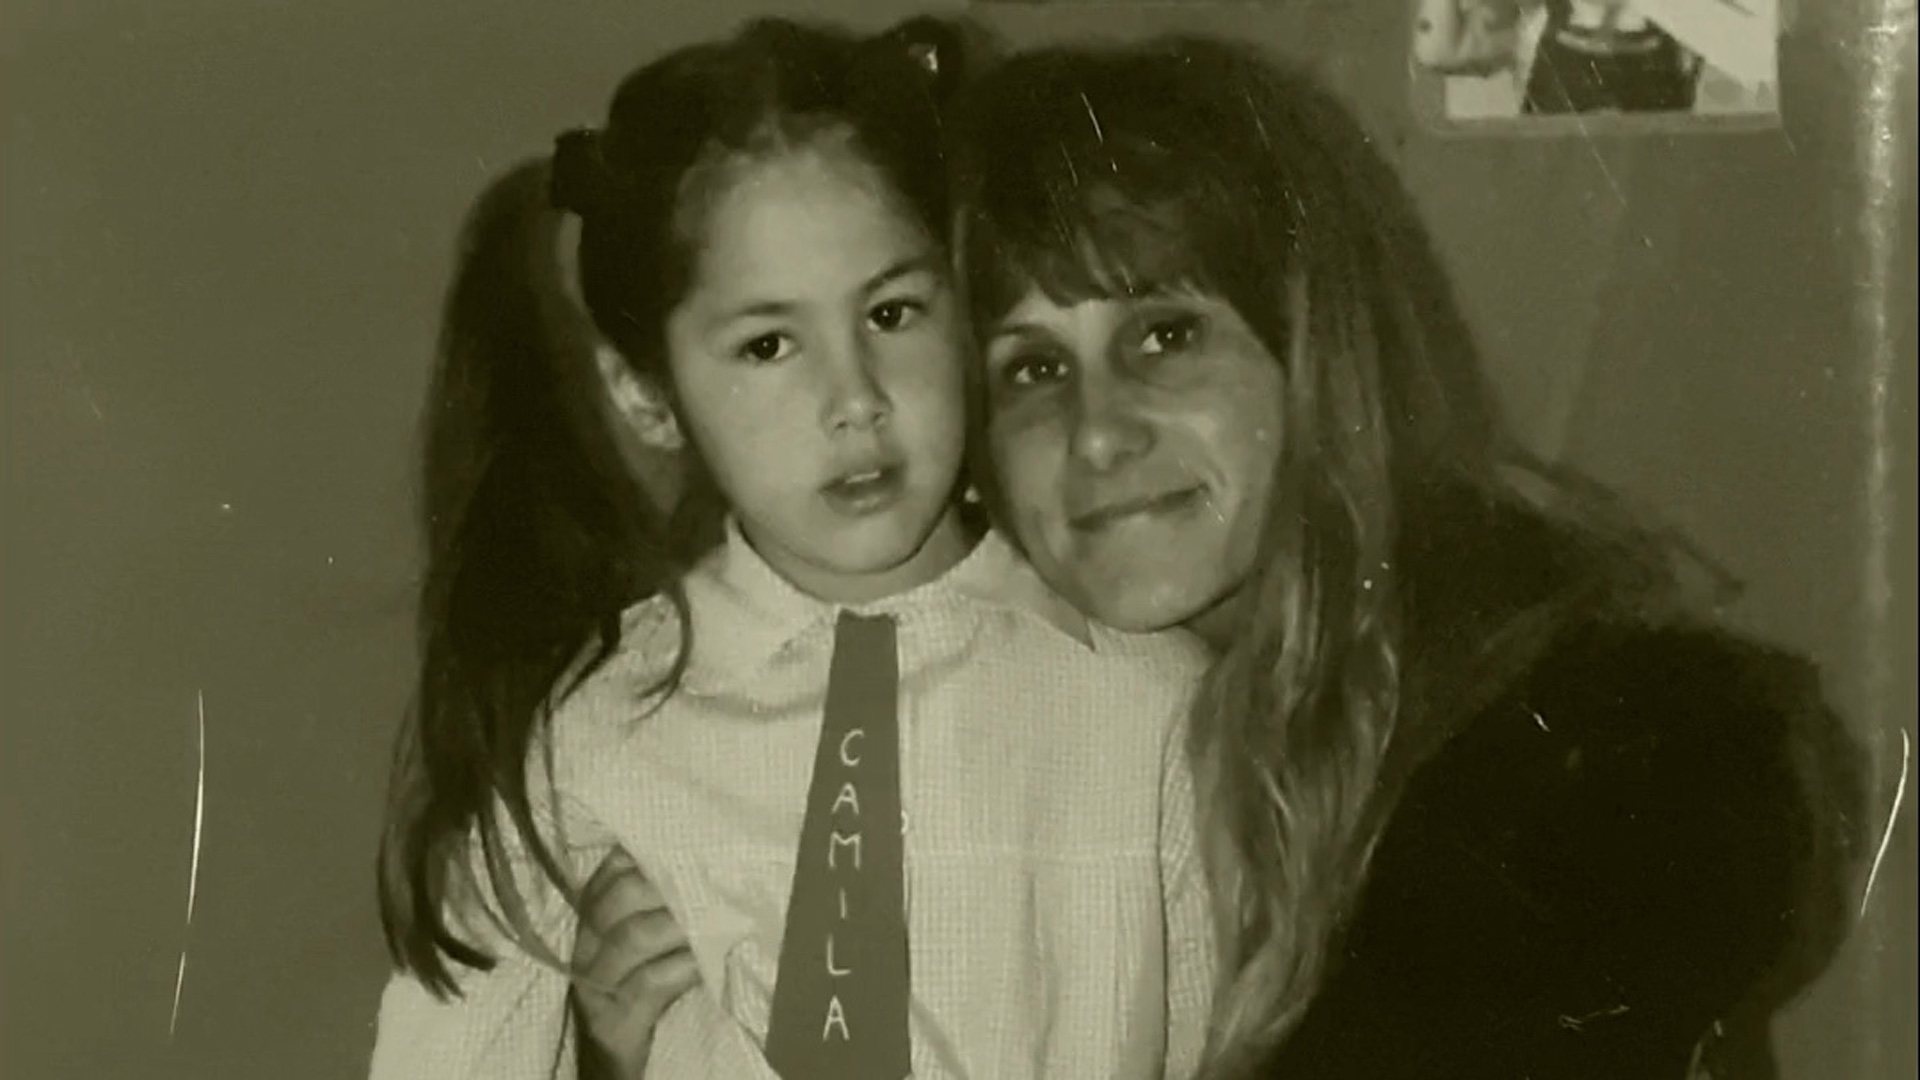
(943, 549)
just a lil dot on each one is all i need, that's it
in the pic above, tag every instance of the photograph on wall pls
(1568, 64)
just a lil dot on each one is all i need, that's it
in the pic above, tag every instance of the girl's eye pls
(766, 348)
(1171, 335)
(894, 315)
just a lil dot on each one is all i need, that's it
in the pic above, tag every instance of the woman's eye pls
(1171, 335)
(766, 348)
(894, 315)
(1029, 371)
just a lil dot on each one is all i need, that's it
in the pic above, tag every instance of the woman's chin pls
(1135, 608)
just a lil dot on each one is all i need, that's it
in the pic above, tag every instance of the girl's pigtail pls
(537, 538)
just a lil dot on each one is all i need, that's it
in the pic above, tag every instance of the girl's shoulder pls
(1143, 682)
(1173, 655)
(998, 575)
(614, 679)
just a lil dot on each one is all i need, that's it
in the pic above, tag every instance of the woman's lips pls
(1114, 513)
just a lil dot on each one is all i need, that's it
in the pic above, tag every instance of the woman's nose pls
(1107, 431)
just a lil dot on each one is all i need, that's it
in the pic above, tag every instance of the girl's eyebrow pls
(757, 308)
(925, 262)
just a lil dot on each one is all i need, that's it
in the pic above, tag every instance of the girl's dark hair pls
(538, 535)
(1395, 468)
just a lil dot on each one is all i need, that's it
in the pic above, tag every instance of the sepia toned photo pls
(877, 540)
(1658, 62)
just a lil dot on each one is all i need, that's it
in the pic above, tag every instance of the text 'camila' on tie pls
(840, 998)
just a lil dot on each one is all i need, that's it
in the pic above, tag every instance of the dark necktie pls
(840, 998)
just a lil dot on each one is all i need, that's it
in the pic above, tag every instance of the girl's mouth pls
(867, 491)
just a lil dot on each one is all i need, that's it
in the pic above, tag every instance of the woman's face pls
(1135, 441)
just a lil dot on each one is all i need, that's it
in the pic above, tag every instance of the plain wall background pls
(227, 225)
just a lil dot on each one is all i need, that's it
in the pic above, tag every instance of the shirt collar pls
(746, 613)
(997, 576)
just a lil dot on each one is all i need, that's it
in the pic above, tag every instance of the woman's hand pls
(630, 961)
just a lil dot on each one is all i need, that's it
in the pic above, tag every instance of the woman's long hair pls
(537, 535)
(1391, 441)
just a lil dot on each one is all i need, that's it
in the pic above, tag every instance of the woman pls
(1490, 798)
(1489, 793)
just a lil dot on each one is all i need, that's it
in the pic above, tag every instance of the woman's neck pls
(1217, 625)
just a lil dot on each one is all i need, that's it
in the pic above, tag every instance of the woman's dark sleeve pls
(1651, 830)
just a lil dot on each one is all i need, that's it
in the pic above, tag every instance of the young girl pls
(762, 227)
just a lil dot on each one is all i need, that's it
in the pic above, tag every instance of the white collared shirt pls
(1057, 914)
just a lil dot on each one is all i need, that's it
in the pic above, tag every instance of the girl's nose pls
(855, 397)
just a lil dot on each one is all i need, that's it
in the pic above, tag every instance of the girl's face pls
(1135, 441)
(818, 367)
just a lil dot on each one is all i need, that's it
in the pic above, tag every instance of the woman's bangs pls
(1078, 241)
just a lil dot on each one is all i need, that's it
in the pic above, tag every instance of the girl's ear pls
(641, 405)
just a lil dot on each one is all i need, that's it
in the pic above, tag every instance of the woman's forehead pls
(1140, 247)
